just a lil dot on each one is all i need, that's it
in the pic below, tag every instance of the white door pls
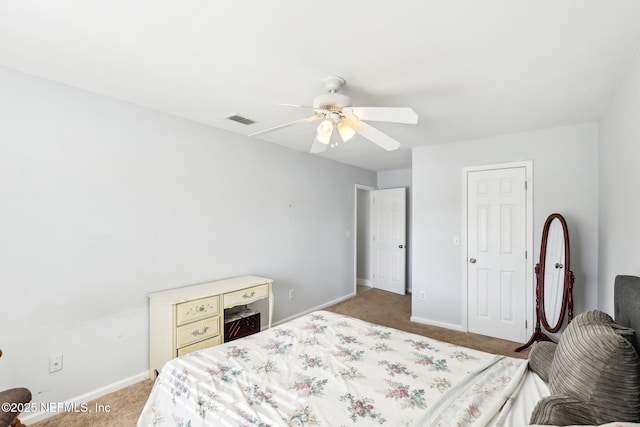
(388, 239)
(496, 257)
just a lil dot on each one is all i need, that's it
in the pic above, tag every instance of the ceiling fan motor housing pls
(331, 102)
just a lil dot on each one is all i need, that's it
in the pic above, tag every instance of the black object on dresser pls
(241, 325)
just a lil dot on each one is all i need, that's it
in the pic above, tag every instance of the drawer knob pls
(247, 295)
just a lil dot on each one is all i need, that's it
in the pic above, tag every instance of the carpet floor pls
(373, 305)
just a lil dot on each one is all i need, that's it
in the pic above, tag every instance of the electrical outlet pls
(422, 296)
(55, 363)
(292, 294)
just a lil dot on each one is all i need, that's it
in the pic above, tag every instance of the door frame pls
(355, 231)
(529, 270)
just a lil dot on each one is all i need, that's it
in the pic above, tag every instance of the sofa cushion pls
(561, 411)
(597, 317)
(541, 358)
(595, 364)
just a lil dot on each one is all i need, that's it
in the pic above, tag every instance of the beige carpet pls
(393, 310)
(125, 408)
(375, 306)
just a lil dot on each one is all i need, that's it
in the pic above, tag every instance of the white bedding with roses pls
(325, 369)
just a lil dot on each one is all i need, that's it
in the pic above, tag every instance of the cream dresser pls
(190, 318)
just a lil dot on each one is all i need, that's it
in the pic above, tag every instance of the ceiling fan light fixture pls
(324, 131)
(335, 110)
(345, 128)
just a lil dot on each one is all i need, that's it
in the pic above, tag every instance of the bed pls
(326, 369)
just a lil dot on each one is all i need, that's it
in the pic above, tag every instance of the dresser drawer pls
(197, 309)
(188, 334)
(246, 296)
(200, 345)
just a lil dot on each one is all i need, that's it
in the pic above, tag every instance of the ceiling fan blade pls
(306, 107)
(383, 114)
(375, 136)
(308, 119)
(296, 106)
(318, 146)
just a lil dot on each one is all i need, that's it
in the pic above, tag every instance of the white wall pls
(103, 202)
(565, 170)
(619, 180)
(401, 178)
(394, 179)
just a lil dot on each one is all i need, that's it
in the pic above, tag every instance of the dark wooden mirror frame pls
(567, 292)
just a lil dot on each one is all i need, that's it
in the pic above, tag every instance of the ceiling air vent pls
(240, 119)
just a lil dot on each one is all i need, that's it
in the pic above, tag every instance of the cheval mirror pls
(554, 280)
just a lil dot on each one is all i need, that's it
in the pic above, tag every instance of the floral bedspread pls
(325, 369)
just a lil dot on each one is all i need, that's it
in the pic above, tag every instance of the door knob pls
(472, 260)
(401, 246)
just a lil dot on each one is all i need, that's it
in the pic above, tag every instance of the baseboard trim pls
(86, 398)
(437, 323)
(364, 282)
(319, 307)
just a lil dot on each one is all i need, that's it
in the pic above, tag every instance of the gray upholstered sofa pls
(593, 373)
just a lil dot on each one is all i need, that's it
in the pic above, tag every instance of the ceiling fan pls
(336, 112)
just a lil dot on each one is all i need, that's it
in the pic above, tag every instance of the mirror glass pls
(554, 272)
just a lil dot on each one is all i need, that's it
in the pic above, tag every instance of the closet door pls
(496, 257)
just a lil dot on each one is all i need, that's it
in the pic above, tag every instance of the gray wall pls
(103, 202)
(565, 180)
(619, 180)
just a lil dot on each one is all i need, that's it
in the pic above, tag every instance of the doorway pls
(362, 247)
(497, 240)
(380, 258)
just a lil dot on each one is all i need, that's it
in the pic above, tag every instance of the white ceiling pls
(469, 68)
